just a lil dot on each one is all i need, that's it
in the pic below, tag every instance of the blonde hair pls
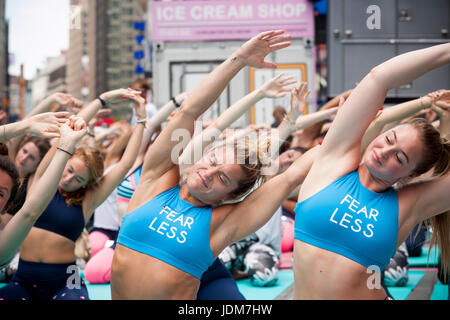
(436, 153)
(440, 237)
(252, 154)
(435, 161)
(93, 160)
(82, 246)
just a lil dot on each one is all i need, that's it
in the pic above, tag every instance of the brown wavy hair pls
(93, 160)
(42, 144)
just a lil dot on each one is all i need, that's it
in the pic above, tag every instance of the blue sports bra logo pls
(354, 221)
(170, 223)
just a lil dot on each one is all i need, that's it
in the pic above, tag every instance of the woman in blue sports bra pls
(47, 260)
(349, 220)
(177, 225)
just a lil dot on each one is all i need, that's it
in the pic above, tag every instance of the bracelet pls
(90, 133)
(70, 154)
(143, 121)
(177, 105)
(101, 101)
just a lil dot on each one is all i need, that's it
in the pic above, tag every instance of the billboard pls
(229, 20)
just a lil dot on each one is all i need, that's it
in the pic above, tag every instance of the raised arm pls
(107, 97)
(61, 99)
(442, 108)
(251, 53)
(45, 125)
(153, 125)
(402, 111)
(354, 117)
(274, 88)
(294, 120)
(17, 229)
(111, 180)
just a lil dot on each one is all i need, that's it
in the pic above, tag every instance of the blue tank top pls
(347, 218)
(172, 230)
(58, 217)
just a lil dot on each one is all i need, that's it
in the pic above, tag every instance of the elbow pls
(375, 74)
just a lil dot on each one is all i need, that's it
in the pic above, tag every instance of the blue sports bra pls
(58, 217)
(172, 230)
(347, 218)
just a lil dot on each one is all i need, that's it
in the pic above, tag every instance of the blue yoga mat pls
(99, 291)
(440, 291)
(401, 293)
(250, 292)
(423, 261)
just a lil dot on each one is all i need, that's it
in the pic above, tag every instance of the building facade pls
(102, 46)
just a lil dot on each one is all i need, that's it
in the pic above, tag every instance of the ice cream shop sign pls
(216, 20)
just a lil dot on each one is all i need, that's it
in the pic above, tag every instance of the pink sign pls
(229, 20)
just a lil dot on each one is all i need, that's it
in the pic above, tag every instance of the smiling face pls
(215, 176)
(27, 159)
(394, 154)
(75, 175)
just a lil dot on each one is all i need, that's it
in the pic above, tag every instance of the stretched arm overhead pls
(45, 125)
(114, 95)
(61, 99)
(345, 134)
(441, 105)
(294, 121)
(117, 149)
(111, 180)
(402, 111)
(251, 53)
(17, 229)
(274, 88)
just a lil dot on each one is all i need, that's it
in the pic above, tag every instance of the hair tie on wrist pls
(177, 105)
(143, 121)
(70, 154)
(101, 101)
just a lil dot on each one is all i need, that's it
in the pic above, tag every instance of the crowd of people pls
(350, 188)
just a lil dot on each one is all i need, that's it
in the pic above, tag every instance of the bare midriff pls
(324, 275)
(137, 276)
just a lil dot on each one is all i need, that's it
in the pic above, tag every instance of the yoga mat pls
(440, 291)
(250, 292)
(422, 260)
(99, 291)
(401, 293)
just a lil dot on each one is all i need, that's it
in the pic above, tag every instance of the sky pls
(37, 29)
